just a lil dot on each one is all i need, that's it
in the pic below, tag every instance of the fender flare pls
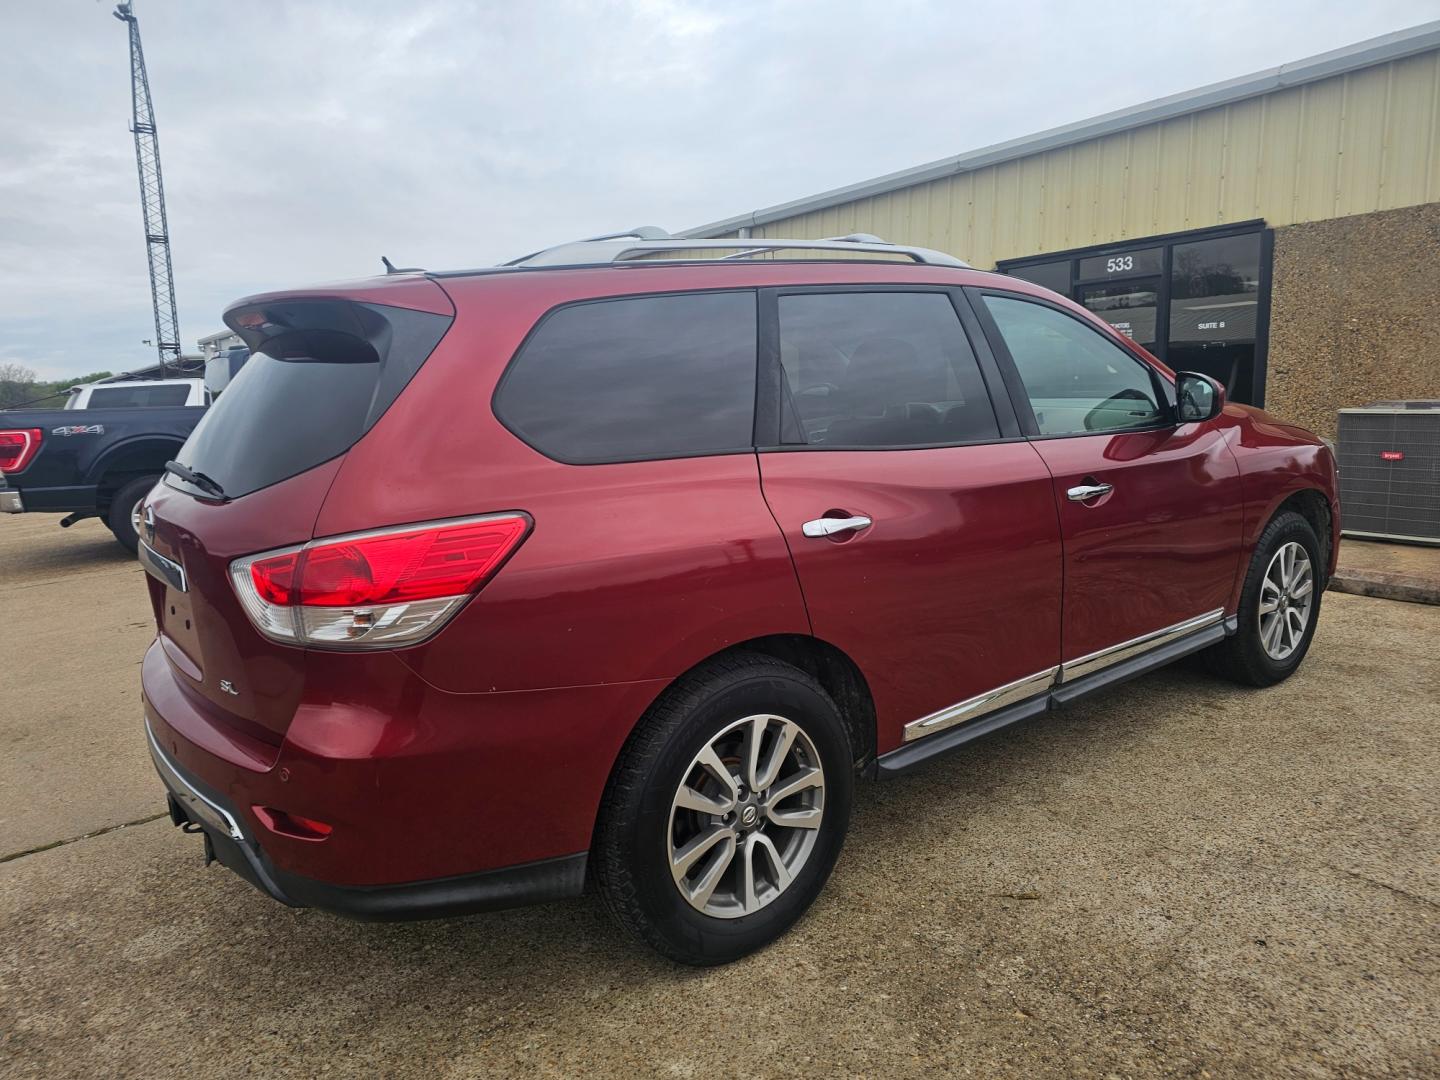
(1255, 528)
(165, 446)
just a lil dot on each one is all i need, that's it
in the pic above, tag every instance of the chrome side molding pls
(1103, 658)
(1043, 681)
(981, 704)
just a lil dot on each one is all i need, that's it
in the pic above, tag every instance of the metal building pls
(1279, 231)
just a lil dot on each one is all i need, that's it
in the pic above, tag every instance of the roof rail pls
(633, 244)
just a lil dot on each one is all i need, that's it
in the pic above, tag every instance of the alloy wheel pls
(745, 817)
(1287, 597)
(135, 514)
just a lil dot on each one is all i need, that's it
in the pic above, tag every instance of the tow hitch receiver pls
(179, 818)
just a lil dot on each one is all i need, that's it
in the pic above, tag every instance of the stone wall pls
(1354, 314)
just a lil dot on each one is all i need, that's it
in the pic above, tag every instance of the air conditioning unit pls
(1389, 454)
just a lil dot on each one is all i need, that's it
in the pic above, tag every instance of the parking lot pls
(1176, 878)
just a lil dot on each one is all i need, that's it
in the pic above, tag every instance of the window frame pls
(1162, 387)
(770, 384)
(611, 298)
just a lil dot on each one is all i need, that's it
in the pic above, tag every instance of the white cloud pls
(303, 140)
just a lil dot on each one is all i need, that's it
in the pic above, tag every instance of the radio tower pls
(152, 197)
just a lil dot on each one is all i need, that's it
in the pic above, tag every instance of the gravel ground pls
(1177, 878)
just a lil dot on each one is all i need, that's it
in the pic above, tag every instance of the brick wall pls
(1354, 314)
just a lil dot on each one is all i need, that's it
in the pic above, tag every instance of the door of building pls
(1198, 300)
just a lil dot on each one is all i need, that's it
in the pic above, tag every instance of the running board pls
(912, 754)
(915, 753)
(1138, 665)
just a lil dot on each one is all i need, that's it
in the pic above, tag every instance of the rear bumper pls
(194, 805)
(433, 802)
(47, 500)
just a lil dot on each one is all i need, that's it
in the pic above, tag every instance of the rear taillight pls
(381, 589)
(17, 448)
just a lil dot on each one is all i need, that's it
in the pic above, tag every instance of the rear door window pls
(636, 379)
(883, 369)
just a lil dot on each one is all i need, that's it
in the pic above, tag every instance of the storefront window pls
(1206, 317)
(1214, 287)
(1129, 308)
(1214, 308)
(1054, 276)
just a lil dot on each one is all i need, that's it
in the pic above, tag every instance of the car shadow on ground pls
(88, 545)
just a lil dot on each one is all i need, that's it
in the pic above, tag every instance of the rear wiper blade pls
(199, 479)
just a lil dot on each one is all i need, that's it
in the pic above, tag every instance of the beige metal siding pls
(1355, 143)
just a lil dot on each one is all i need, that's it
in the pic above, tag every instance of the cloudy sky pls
(302, 140)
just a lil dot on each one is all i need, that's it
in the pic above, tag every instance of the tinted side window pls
(1076, 380)
(137, 397)
(880, 369)
(166, 395)
(635, 379)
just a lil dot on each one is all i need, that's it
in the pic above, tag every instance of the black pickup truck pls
(89, 462)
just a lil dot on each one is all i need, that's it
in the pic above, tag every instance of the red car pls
(620, 564)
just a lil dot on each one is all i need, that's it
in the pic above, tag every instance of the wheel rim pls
(135, 514)
(1287, 597)
(746, 816)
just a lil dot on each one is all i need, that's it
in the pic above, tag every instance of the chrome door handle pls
(1088, 491)
(831, 526)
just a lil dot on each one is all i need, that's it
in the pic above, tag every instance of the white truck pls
(137, 394)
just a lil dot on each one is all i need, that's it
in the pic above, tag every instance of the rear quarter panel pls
(632, 572)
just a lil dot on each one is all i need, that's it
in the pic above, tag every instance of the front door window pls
(1076, 381)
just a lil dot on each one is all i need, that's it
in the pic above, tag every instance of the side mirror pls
(1197, 397)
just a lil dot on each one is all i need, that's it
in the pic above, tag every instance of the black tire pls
(122, 505)
(1242, 656)
(632, 839)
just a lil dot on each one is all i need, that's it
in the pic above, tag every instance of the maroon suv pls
(621, 563)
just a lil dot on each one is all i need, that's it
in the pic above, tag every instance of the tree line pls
(21, 389)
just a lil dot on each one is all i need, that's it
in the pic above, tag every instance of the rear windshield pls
(137, 397)
(320, 376)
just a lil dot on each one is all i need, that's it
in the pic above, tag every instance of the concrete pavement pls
(1179, 878)
(1409, 572)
